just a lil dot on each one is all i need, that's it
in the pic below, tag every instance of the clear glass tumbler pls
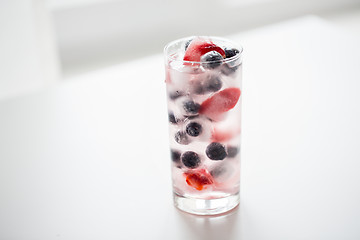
(203, 84)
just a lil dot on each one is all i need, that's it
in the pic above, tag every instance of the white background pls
(83, 123)
(89, 159)
(106, 32)
(43, 42)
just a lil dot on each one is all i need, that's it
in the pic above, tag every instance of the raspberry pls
(198, 179)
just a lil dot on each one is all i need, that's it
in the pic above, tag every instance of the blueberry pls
(212, 59)
(198, 87)
(227, 70)
(213, 84)
(191, 117)
(175, 156)
(187, 43)
(190, 159)
(216, 151)
(172, 118)
(232, 151)
(193, 129)
(175, 95)
(218, 171)
(191, 107)
(182, 138)
(230, 52)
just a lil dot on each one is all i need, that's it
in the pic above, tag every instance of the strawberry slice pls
(199, 47)
(223, 135)
(198, 179)
(220, 102)
(167, 75)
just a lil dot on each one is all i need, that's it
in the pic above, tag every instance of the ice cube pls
(222, 171)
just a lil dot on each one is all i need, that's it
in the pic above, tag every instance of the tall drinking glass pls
(203, 84)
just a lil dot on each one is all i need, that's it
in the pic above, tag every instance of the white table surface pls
(89, 159)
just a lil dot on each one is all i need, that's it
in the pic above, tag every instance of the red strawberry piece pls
(167, 75)
(199, 47)
(220, 102)
(198, 179)
(222, 135)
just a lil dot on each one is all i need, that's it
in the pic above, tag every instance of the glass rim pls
(225, 60)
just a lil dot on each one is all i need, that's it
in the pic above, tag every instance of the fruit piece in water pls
(198, 179)
(220, 102)
(216, 151)
(187, 43)
(229, 70)
(199, 47)
(232, 151)
(175, 155)
(211, 83)
(175, 95)
(230, 52)
(222, 172)
(194, 129)
(224, 135)
(211, 60)
(191, 107)
(172, 118)
(167, 75)
(181, 138)
(190, 159)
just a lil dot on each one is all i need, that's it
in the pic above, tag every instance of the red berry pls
(198, 179)
(219, 136)
(220, 102)
(199, 47)
(223, 135)
(167, 76)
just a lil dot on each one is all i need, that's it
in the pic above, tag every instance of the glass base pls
(213, 206)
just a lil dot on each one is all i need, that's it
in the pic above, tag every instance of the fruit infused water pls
(203, 84)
